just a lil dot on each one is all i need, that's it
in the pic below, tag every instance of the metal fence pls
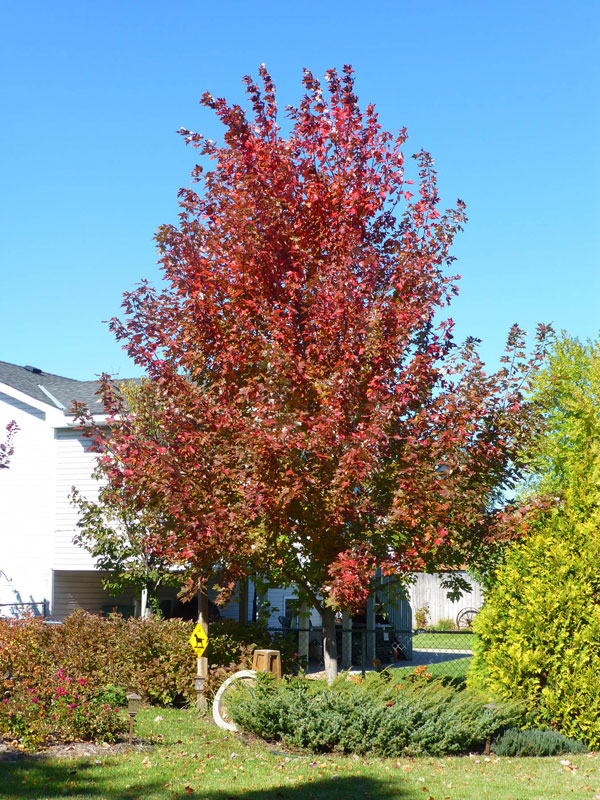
(38, 609)
(445, 651)
(361, 648)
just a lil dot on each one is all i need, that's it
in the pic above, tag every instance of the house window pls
(290, 609)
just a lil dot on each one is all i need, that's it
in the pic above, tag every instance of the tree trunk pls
(203, 606)
(243, 600)
(144, 610)
(303, 632)
(346, 640)
(202, 662)
(329, 644)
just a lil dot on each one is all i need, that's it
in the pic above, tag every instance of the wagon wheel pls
(220, 715)
(464, 618)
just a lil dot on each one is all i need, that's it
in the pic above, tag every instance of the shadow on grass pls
(322, 789)
(45, 779)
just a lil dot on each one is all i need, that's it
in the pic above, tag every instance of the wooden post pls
(346, 640)
(202, 663)
(243, 600)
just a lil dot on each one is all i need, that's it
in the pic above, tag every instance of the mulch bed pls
(8, 751)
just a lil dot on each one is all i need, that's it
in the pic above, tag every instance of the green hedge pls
(152, 657)
(378, 716)
(539, 632)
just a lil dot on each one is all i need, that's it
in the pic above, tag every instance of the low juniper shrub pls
(535, 742)
(381, 717)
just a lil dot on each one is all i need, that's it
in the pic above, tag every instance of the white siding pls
(276, 597)
(27, 505)
(80, 589)
(427, 590)
(75, 464)
(230, 609)
(37, 520)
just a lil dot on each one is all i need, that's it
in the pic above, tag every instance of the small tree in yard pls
(562, 461)
(116, 530)
(312, 418)
(116, 534)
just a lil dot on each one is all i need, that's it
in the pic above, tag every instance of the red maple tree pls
(307, 414)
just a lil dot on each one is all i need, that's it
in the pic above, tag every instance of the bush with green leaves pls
(535, 742)
(539, 631)
(116, 655)
(444, 624)
(61, 709)
(378, 715)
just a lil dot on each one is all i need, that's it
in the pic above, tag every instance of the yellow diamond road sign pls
(199, 640)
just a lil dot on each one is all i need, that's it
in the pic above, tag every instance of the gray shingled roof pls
(58, 392)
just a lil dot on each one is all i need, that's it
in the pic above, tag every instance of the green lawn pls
(191, 758)
(453, 668)
(443, 641)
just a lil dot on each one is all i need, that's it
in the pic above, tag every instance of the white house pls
(40, 567)
(38, 562)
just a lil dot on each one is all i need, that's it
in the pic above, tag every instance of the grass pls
(453, 668)
(191, 758)
(443, 641)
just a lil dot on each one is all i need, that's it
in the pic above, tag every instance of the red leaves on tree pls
(307, 413)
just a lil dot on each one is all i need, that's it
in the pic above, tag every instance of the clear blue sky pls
(503, 94)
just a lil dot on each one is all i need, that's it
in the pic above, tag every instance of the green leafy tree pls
(116, 535)
(115, 528)
(539, 632)
(565, 458)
